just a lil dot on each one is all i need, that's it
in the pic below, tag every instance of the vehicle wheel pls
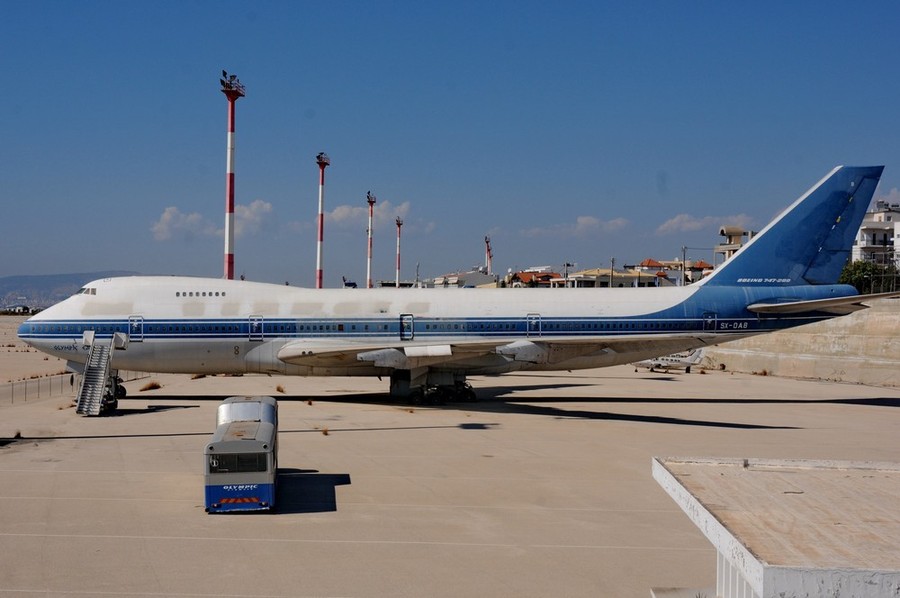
(435, 396)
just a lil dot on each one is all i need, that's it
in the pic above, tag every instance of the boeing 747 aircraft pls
(427, 341)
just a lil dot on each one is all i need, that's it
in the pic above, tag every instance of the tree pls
(869, 277)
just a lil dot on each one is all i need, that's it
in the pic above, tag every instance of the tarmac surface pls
(541, 488)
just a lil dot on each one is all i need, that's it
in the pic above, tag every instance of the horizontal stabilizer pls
(839, 305)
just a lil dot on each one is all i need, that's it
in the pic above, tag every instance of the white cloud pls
(385, 213)
(174, 222)
(684, 223)
(582, 227)
(248, 220)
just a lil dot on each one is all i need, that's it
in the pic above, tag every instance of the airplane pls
(675, 361)
(428, 341)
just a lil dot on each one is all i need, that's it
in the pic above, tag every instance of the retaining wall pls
(863, 348)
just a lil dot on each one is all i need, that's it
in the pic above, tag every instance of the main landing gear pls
(460, 392)
(430, 388)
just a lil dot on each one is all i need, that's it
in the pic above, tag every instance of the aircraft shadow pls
(376, 398)
(126, 411)
(498, 394)
(555, 412)
(6, 441)
(308, 491)
(503, 400)
(465, 426)
(24, 439)
(500, 399)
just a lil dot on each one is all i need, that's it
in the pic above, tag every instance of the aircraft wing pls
(399, 354)
(537, 350)
(839, 305)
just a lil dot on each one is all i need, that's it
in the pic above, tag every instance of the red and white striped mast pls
(397, 278)
(371, 201)
(323, 161)
(233, 89)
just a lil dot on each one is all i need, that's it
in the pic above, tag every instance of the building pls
(734, 240)
(477, 277)
(879, 235)
(532, 277)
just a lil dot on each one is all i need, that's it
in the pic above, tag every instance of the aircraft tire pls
(417, 397)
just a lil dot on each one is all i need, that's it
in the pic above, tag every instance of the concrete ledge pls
(793, 527)
(861, 348)
(682, 593)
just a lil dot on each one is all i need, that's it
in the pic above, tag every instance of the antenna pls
(233, 89)
(397, 279)
(323, 161)
(370, 199)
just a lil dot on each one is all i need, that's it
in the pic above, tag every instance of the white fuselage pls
(208, 326)
(196, 325)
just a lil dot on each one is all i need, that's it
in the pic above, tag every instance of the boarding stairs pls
(95, 379)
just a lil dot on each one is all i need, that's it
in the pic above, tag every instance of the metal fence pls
(61, 385)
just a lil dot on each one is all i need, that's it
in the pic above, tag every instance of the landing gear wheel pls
(435, 396)
(465, 392)
(417, 397)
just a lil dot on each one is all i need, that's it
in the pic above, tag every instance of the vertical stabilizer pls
(809, 243)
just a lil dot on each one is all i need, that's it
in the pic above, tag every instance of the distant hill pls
(45, 290)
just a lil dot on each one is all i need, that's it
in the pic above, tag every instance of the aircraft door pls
(533, 324)
(135, 329)
(406, 327)
(255, 328)
(709, 321)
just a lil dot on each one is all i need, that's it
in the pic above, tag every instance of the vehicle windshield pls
(237, 462)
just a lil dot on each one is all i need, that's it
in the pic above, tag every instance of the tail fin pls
(809, 243)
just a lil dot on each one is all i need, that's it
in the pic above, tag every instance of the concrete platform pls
(541, 489)
(793, 527)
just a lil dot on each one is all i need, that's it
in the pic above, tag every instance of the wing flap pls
(534, 350)
(325, 353)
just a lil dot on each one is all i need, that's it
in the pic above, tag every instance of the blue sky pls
(569, 131)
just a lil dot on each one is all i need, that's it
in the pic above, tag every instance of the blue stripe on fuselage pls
(721, 309)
